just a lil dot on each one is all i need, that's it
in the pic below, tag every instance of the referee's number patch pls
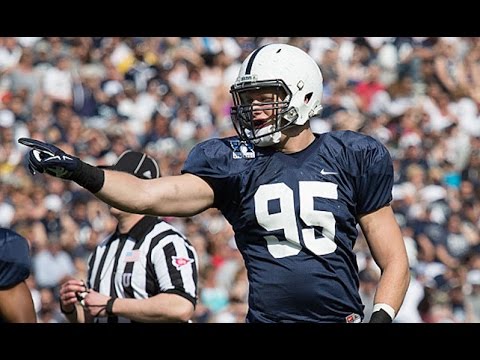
(179, 261)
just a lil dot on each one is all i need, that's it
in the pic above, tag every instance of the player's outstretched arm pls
(386, 244)
(182, 195)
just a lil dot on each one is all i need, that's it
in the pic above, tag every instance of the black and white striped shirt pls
(152, 258)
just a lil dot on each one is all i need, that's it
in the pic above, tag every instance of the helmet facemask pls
(273, 98)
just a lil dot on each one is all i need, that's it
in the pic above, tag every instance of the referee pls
(146, 271)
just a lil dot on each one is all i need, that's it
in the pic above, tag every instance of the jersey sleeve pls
(369, 165)
(14, 259)
(209, 158)
(213, 161)
(375, 180)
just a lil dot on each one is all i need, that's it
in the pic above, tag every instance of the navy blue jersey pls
(295, 217)
(14, 258)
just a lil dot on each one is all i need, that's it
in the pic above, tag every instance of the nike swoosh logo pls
(323, 172)
(57, 157)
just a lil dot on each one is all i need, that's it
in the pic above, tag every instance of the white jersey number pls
(286, 219)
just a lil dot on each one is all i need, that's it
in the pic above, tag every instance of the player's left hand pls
(50, 159)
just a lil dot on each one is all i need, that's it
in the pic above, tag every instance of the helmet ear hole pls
(307, 98)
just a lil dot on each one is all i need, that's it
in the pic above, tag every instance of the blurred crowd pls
(96, 97)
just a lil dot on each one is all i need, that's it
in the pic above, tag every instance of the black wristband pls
(88, 176)
(63, 311)
(380, 316)
(109, 306)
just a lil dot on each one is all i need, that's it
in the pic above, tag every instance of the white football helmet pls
(286, 70)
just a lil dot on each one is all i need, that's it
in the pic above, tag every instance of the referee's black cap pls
(136, 163)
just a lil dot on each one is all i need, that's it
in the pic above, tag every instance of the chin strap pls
(267, 140)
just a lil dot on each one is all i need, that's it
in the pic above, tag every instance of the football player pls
(293, 198)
